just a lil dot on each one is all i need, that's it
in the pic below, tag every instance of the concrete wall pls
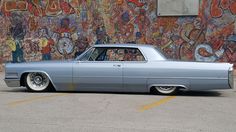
(34, 30)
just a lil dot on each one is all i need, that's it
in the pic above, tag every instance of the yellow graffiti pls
(43, 42)
(11, 43)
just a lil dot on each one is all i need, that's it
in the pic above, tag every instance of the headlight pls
(231, 77)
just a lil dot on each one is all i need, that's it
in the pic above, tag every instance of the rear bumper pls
(231, 77)
(12, 82)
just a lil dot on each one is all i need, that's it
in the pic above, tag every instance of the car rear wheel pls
(37, 82)
(167, 90)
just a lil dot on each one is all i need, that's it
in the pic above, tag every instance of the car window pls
(115, 54)
(133, 54)
(112, 54)
(107, 54)
(98, 54)
(86, 55)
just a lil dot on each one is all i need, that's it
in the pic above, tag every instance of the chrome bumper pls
(12, 82)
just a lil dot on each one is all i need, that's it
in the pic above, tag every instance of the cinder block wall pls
(55, 29)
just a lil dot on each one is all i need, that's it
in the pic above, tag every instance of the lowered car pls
(120, 68)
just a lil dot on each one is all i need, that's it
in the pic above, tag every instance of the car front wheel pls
(167, 90)
(37, 82)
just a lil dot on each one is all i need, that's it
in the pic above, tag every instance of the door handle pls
(117, 65)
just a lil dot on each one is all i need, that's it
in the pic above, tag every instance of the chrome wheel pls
(166, 89)
(37, 81)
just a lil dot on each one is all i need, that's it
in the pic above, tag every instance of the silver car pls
(120, 68)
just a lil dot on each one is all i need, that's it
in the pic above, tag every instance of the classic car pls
(120, 68)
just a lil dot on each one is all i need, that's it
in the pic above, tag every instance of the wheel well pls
(22, 79)
(153, 89)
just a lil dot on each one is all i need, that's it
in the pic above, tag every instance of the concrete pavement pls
(22, 111)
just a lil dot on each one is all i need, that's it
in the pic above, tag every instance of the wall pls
(34, 30)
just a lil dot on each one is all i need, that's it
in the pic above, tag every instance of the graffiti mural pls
(45, 43)
(16, 35)
(35, 30)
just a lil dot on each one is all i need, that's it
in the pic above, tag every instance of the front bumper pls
(12, 82)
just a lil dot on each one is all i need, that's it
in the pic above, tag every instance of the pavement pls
(201, 111)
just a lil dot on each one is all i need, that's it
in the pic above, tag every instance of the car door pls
(134, 71)
(98, 73)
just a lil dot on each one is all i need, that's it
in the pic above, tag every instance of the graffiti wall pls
(34, 30)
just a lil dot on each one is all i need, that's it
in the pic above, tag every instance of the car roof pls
(124, 45)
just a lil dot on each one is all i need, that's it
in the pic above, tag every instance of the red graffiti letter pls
(216, 11)
(53, 8)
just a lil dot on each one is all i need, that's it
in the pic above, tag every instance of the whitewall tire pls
(167, 90)
(37, 81)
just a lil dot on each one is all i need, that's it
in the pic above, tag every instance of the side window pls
(112, 54)
(133, 54)
(115, 54)
(98, 54)
(85, 56)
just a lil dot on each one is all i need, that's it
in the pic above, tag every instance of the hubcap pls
(166, 89)
(38, 80)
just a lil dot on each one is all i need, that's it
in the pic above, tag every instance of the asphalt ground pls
(22, 111)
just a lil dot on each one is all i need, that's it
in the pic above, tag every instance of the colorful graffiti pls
(34, 30)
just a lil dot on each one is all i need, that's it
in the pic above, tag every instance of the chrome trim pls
(11, 75)
(12, 82)
(208, 78)
(204, 78)
(112, 62)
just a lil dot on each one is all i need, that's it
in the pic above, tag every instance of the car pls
(120, 68)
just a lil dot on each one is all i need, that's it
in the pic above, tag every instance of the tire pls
(166, 90)
(37, 82)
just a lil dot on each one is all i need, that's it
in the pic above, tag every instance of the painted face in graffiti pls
(98, 20)
(65, 23)
(17, 29)
(204, 52)
(119, 2)
(100, 32)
